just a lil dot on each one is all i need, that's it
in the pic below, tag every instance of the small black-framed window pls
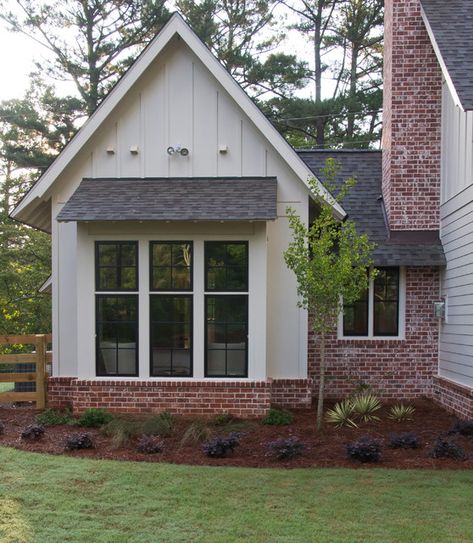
(171, 265)
(117, 335)
(226, 266)
(226, 336)
(116, 266)
(355, 317)
(171, 335)
(386, 302)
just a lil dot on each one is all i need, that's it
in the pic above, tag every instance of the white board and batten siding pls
(456, 338)
(177, 101)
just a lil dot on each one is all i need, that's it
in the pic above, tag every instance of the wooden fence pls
(11, 368)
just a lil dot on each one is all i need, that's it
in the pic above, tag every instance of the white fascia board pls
(176, 25)
(443, 66)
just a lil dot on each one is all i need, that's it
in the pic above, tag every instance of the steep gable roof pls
(450, 27)
(34, 202)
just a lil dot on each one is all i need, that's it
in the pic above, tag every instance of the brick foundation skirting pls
(242, 398)
(453, 397)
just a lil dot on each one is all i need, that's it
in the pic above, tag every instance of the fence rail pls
(38, 357)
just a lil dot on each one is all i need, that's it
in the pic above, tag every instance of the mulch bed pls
(324, 449)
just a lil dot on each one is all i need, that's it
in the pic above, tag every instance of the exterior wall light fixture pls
(183, 151)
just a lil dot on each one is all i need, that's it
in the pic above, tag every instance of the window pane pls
(227, 336)
(386, 319)
(171, 265)
(171, 335)
(117, 265)
(117, 335)
(226, 266)
(355, 319)
(386, 302)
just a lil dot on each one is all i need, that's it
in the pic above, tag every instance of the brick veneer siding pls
(246, 399)
(393, 369)
(411, 120)
(453, 397)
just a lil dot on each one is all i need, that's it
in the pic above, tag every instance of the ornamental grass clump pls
(220, 446)
(364, 406)
(341, 414)
(197, 432)
(148, 444)
(75, 442)
(33, 432)
(278, 417)
(366, 449)
(401, 412)
(284, 449)
(121, 431)
(159, 425)
(404, 440)
(445, 448)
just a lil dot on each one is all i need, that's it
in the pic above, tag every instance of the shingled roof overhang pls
(450, 26)
(364, 205)
(173, 199)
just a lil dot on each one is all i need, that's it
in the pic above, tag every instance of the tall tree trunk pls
(352, 92)
(320, 401)
(319, 122)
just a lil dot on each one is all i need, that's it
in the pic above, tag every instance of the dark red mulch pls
(325, 449)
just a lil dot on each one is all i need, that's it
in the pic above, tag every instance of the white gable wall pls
(456, 339)
(177, 101)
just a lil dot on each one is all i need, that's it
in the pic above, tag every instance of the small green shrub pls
(222, 419)
(121, 431)
(341, 414)
(364, 406)
(278, 417)
(95, 418)
(159, 425)
(197, 432)
(53, 417)
(401, 412)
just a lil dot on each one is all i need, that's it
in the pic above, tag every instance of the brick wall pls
(453, 397)
(291, 393)
(411, 120)
(393, 369)
(60, 392)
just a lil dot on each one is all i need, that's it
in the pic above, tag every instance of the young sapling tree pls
(331, 262)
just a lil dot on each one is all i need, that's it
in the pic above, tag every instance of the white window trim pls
(402, 314)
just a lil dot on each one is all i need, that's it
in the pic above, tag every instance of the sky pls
(16, 62)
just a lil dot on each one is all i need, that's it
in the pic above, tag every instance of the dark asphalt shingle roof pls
(365, 207)
(173, 199)
(451, 22)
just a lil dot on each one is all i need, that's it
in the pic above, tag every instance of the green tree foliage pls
(243, 35)
(330, 261)
(91, 42)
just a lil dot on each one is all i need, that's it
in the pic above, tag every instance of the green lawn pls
(48, 499)
(6, 387)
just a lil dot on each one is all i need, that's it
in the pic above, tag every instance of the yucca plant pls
(365, 405)
(401, 412)
(341, 414)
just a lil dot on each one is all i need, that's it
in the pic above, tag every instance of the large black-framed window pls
(171, 266)
(171, 337)
(226, 335)
(116, 266)
(376, 313)
(226, 266)
(117, 335)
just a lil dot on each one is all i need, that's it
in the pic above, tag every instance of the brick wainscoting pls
(453, 397)
(242, 398)
(393, 369)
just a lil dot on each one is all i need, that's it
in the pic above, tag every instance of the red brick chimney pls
(412, 120)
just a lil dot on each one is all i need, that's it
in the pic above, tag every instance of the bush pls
(462, 427)
(78, 441)
(197, 432)
(33, 432)
(161, 425)
(223, 419)
(149, 445)
(341, 414)
(286, 448)
(2, 428)
(278, 417)
(401, 412)
(404, 440)
(218, 447)
(121, 431)
(445, 448)
(365, 405)
(366, 449)
(95, 418)
(51, 417)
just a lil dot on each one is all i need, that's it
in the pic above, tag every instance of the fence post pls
(40, 346)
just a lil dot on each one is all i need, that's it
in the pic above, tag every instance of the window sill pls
(371, 338)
